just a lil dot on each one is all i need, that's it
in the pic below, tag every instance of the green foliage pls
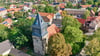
(89, 8)
(49, 9)
(24, 25)
(93, 48)
(70, 21)
(20, 14)
(90, 2)
(3, 33)
(69, 5)
(57, 46)
(17, 38)
(95, 9)
(40, 8)
(9, 15)
(77, 47)
(87, 13)
(46, 2)
(73, 34)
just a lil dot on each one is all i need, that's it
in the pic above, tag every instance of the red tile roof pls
(82, 21)
(46, 14)
(85, 6)
(14, 9)
(90, 18)
(62, 5)
(9, 22)
(53, 29)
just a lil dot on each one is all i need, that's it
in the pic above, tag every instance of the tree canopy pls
(73, 34)
(93, 48)
(87, 14)
(57, 46)
(70, 21)
(49, 9)
(17, 38)
(3, 33)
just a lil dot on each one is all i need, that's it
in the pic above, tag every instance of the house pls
(82, 21)
(13, 10)
(17, 52)
(5, 47)
(12, 6)
(85, 6)
(40, 34)
(73, 1)
(47, 17)
(3, 11)
(92, 24)
(53, 29)
(7, 22)
(57, 20)
(76, 12)
(33, 11)
(27, 6)
(62, 6)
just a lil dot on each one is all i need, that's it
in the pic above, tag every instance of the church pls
(41, 33)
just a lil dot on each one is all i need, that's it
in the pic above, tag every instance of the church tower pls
(40, 35)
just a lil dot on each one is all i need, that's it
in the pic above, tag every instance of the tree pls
(18, 14)
(83, 1)
(70, 21)
(9, 15)
(89, 8)
(40, 8)
(73, 34)
(86, 14)
(24, 25)
(3, 33)
(64, 13)
(1, 19)
(90, 2)
(95, 9)
(17, 38)
(49, 9)
(93, 48)
(57, 46)
(69, 5)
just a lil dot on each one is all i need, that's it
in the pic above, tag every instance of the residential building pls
(3, 11)
(57, 20)
(53, 29)
(76, 12)
(7, 22)
(5, 47)
(85, 6)
(13, 6)
(13, 10)
(47, 17)
(92, 24)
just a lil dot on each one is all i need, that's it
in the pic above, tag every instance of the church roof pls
(38, 26)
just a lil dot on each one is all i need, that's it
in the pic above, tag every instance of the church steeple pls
(39, 26)
(39, 35)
